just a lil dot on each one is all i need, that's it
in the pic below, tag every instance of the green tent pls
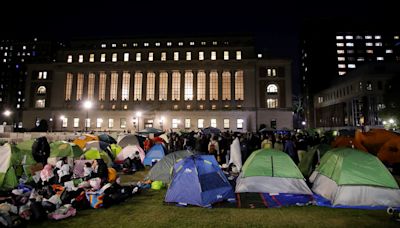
(93, 153)
(65, 149)
(115, 149)
(8, 178)
(311, 158)
(351, 177)
(162, 170)
(22, 158)
(271, 171)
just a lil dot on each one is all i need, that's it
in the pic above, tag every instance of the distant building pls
(187, 83)
(332, 49)
(355, 100)
(14, 55)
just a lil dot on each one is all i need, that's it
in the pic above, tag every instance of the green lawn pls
(148, 210)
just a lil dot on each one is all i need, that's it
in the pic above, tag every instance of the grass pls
(148, 210)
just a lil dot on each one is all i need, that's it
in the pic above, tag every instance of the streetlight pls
(87, 105)
(138, 115)
(7, 113)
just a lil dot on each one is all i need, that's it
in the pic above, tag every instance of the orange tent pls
(83, 139)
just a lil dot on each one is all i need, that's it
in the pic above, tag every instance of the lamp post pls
(138, 115)
(7, 113)
(87, 105)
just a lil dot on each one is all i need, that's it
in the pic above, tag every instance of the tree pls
(298, 110)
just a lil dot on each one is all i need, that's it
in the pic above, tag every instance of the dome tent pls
(351, 178)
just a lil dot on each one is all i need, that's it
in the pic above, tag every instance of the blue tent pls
(198, 180)
(156, 152)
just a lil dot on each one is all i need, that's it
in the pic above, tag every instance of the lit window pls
(163, 56)
(113, 45)
(163, 86)
(76, 122)
(339, 37)
(368, 37)
(271, 72)
(126, 57)
(114, 86)
(239, 123)
(175, 123)
(226, 123)
(110, 123)
(176, 88)
(259, 56)
(151, 56)
(188, 55)
(122, 123)
(359, 37)
(349, 44)
(40, 103)
(91, 57)
(239, 85)
(64, 122)
(169, 43)
(103, 57)
(368, 44)
(80, 58)
(135, 44)
(150, 86)
(340, 51)
(369, 51)
(226, 85)
(79, 87)
(272, 103)
(350, 51)
(188, 107)
(176, 56)
(102, 86)
(138, 57)
(188, 86)
(213, 123)
(320, 99)
(342, 72)
(187, 123)
(396, 37)
(341, 58)
(201, 85)
(91, 81)
(360, 59)
(201, 107)
(378, 37)
(339, 44)
(191, 43)
(114, 57)
(200, 123)
(126, 78)
(69, 59)
(41, 90)
(124, 45)
(238, 55)
(341, 65)
(272, 89)
(68, 87)
(213, 85)
(351, 65)
(203, 43)
(201, 55)
(349, 37)
(378, 44)
(176, 107)
(24, 47)
(146, 44)
(388, 51)
(158, 44)
(379, 58)
(103, 45)
(137, 95)
(226, 55)
(213, 55)
(214, 42)
(99, 122)
(180, 44)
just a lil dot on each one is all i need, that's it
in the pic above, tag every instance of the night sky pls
(275, 24)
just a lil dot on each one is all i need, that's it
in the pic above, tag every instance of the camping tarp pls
(353, 178)
(236, 155)
(198, 180)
